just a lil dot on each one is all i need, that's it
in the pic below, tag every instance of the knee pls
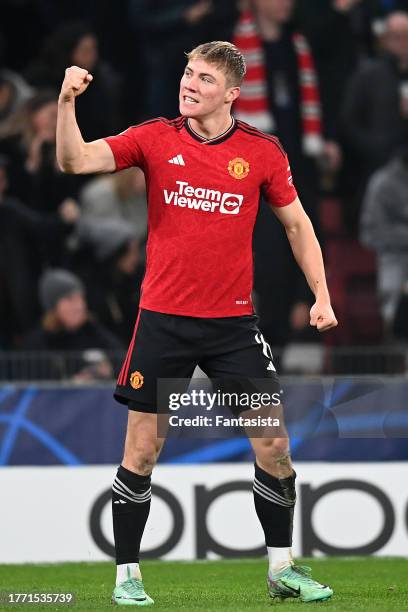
(273, 451)
(140, 459)
(273, 448)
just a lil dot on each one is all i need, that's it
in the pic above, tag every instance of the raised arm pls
(308, 254)
(75, 156)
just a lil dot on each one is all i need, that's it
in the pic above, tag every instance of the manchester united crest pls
(136, 380)
(238, 168)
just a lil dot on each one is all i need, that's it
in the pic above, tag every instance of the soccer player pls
(205, 173)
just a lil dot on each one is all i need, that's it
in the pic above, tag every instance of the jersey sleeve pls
(278, 188)
(129, 148)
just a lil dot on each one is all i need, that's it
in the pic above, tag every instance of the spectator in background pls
(28, 140)
(68, 327)
(117, 196)
(164, 30)
(280, 94)
(384, 228)
(14, 91)
(375, 112)
(21, 231)
(378, 9)
(340, 34)
(330, 27)
(76, 44)
(108, 20)
(281, 91)
(112, 270)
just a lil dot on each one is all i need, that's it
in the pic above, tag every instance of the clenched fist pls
(322, 316)
(75, 82)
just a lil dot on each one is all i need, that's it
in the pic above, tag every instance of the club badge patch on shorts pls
(238, 168)
(136, 380)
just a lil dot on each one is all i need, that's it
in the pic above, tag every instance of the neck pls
(211, 127)
(269, 30)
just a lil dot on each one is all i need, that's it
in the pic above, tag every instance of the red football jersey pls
(203, 198)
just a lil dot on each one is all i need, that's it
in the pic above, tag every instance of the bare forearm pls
(73, 154)
(70, 144)
(308, 255)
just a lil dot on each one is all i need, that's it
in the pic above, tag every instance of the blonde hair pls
(223, 55)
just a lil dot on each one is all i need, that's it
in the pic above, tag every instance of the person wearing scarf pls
(280, 95)
(263, 97)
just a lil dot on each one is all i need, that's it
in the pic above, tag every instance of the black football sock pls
(274, 504)
(131, 495)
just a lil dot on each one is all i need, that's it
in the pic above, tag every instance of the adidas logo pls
(271, 367)
(178, 160)
(119, 501)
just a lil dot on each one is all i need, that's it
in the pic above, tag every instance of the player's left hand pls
(322, 316)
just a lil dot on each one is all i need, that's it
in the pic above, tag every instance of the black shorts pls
(171, 346)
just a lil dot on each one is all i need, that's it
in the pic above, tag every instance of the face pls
(204, 91)
(44, 120)
(279, 11)
(85, 54)
(396, 35)
(71, 310)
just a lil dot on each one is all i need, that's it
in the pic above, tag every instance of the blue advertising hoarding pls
(327, 420)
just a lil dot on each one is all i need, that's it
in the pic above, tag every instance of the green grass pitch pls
(366, 584)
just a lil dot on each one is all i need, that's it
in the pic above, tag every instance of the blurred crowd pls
(328, 77)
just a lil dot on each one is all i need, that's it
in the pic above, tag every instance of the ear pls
(232, 94)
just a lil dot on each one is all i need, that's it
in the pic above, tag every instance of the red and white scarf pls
(252, 104)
